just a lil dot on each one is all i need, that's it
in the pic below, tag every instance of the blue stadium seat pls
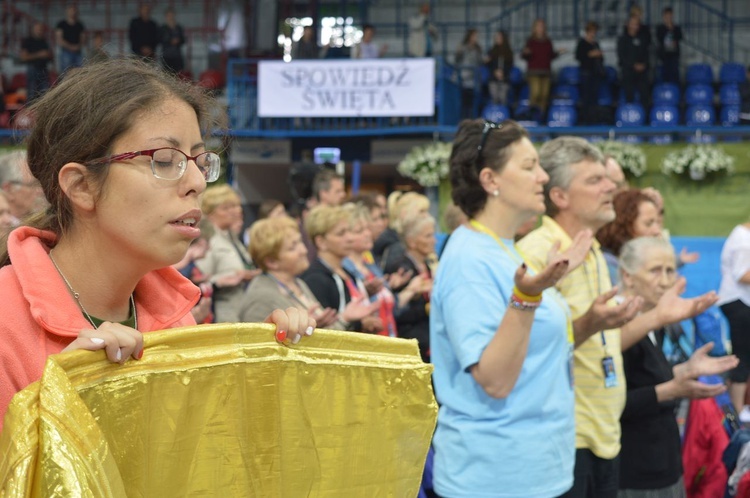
(731, 72)
(516, 76)
(565, 95)
(523, 97)
(630, 115)
(700, 115)
(699, 94)
(664, 115)
(730, 115)
(496, 113)
(484, 74)
(699, 73)
(527, 115)
(729, 94)
(562, 116)
(666, 94)
(569, 75)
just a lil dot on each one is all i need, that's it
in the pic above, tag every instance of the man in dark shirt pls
(589, 55)
(306, 47)
(668, 38)
(35, 52)
(632, 52)
(144, 34)
(71, 38)
(172, 40)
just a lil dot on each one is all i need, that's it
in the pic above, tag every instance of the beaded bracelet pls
(523, 305)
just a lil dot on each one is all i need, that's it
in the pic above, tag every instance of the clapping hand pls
(399, 279)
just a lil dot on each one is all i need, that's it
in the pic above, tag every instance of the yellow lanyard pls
(520, 259)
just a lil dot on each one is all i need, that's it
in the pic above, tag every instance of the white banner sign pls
(346, 88)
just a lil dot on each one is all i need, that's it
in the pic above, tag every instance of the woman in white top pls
(734, 300)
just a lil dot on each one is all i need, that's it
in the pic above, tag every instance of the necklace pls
(77, 297)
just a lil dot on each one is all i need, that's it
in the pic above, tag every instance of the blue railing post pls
(731, 38)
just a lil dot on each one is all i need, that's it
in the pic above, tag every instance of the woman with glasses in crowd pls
(118, 148)
(500, 335)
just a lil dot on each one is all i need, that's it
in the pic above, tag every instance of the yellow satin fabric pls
(223, 410)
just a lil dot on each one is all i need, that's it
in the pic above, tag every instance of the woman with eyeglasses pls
(118, 148)
(501, 338)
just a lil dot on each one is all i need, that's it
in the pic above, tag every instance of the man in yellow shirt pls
(579, 202)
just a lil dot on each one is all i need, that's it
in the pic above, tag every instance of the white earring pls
(496, 193)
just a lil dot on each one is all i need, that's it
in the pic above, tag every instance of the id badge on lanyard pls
(608, 367)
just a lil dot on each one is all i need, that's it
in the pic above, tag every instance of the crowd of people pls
(546, 335)
(153, 42)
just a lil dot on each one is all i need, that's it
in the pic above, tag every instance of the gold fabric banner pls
(224, 410)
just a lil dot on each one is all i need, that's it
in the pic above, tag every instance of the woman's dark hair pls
(614, 234)
(504, 51)
(79, 119)
(468, 34)
(468, 194)
(267, 206)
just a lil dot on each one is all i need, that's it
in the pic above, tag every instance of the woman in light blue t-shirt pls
(501, 336)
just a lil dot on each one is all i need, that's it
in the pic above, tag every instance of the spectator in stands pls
(615, 173)
(6, 218)
(307, 46)
(469, 58)
(367, 48)
(227, 262)
(70, 35)
(271, 208)
(539, 54)
(172, 38)
(633, 57)
(332, 285)
(668, 39)
(500, 65)
(734, 300)
(98, 51)
(328, 188)
(422, 33)
(498, 338)
(651, 457)
(636, 215)
(378, 216)
(144, 34)
(644, 30)
(388, 247)
(35, 52)
(591, 59)
(92, 272)
(745, 96)
(417, 233)
(578, 198)
(202, 311)
(276, 245)
(22, 190)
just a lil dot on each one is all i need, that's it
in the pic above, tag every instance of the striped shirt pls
(598, 408)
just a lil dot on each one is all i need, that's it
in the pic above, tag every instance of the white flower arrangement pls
(428, 164)
(698, 162)
(629, 156)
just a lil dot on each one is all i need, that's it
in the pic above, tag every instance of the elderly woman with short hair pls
(227, 262)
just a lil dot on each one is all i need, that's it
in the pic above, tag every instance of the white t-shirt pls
(735, 262)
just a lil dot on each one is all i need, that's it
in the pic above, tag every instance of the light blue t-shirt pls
(522, 446)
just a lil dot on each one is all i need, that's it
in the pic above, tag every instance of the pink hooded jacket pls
(39, 317)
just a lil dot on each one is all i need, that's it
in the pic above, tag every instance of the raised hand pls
(399, 279)
(686, 257)
(374, 286)
(700, 363)
(356, 310)
(672, 308)
(576, 253)
(602, 316)
(533, 285)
